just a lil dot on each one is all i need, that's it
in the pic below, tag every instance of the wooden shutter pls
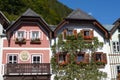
(57, 57)
(64, 33)
(86, 58)
(82, 33)
(104, 58)
(67, 58)
(91, 34)
(94, 57)
(75, 33)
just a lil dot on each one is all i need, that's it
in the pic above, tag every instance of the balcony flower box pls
(35, 41)
(62, 63)
(87, 37)
(118, 76)
(100, 64)
(20, 41)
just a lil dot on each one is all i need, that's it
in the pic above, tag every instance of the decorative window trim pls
(116, 46)
(80, 53)
(66, 33)
(8, 54)
(88, 37)
(103, 60)
(16, 33)
(20, 40)
(40, 55)
(85, 57)
(66, 58)
(37, 40)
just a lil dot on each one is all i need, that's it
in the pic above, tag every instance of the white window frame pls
(118, 66)
(12, 62)
(24, 34)
(34, 55)
(116, 47)
(39, 34)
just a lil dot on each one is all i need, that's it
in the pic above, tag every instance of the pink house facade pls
(27, 45)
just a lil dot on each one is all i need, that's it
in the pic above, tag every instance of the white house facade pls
(4, 22)
(80, 22)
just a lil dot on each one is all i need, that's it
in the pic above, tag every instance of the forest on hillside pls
(51, 10)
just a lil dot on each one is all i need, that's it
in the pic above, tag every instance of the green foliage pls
(82, 71)
(51, 10)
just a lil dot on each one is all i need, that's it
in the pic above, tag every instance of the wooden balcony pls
(27, 69)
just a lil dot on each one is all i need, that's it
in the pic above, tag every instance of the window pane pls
(61, 57)
(98, 57)
(118, 69)
(10, 58)
(86, 33)
(15, 58)
(80, 57)
(36, 59)
(35, 34)
(20, 34)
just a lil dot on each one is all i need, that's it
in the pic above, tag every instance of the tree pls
(71, 70)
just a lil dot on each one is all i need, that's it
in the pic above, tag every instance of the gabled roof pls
(3, 20)
(108, 27)
(118, 20)
(116, 25)
(30, 12)
(29, 16)
(79, 14)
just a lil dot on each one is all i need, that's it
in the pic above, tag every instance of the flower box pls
(20, 41)
(35, 41)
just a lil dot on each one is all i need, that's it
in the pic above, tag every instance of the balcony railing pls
(27, 69)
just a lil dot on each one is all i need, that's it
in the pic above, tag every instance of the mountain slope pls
(51, 10)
